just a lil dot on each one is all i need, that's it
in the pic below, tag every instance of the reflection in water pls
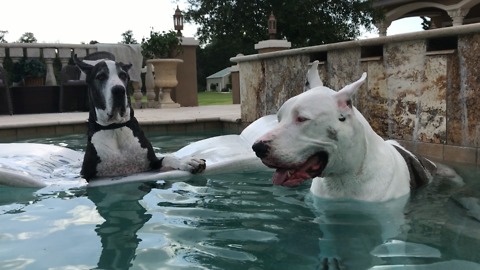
(120, 206)
(235, 222)
(352, 229)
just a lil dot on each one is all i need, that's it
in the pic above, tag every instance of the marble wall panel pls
(404, 66)
(343, 67)
(251, 89)
(466, 102)
(432, 105)
(372, 99)
(454, 117)
(265, 85)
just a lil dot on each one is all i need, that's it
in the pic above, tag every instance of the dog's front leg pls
(190, 165)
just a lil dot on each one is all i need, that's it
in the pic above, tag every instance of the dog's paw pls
(197, 165)
(190, 165)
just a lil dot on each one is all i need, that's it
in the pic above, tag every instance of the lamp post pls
(178, 21)
(272, 44)
(272, 26)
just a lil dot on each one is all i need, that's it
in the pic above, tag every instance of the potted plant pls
(161, 45)
(31, 71)
(160, 49)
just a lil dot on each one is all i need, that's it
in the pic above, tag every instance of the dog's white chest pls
(120, 152)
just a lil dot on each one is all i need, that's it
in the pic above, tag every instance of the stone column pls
(16, 53)
(150, 86)
(49, 55)
(235, 73)
(137, 94)
(457, 15)
(64, 54)
(186, 92)
(382, 27)
(2, 56)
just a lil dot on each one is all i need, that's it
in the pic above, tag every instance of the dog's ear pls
(125, 67)
(82, 65)
(344, 96)
(313, 79)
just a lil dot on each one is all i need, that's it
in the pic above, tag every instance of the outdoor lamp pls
(178, 21)
(272, 26)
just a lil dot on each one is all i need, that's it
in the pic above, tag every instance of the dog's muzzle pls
(119, 94)
(261, 149)
(291, 174)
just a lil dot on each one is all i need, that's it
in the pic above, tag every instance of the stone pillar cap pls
(273, 43)
(190, 41)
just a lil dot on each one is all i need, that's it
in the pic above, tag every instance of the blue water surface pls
(234, 221)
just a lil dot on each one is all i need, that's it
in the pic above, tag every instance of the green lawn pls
(207, 98)
(214, 98)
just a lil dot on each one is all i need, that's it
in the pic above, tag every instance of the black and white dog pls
(116, 143)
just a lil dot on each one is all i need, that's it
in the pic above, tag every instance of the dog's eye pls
(301, 119)
(342, 118)
(101, 77)
(122, 76)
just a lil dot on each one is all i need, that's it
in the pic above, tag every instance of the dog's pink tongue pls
(279, 176)
(289, 178)
(293, 178)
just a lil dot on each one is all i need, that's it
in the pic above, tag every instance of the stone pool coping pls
(214, 118)
(218, 118)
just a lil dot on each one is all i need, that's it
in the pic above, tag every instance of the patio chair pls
(5, 95)
(73, 89)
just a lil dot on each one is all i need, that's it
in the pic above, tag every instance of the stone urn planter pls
(165, 78)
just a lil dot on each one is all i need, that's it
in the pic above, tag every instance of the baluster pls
(137, 94)
(64, 54)
(2, 56)
(16, 54)
(150, 85)
(49, 55)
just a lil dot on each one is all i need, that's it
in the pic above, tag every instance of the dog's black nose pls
(260, 148)
(118, 91)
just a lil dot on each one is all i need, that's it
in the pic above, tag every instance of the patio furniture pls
(5, 96)
(35, 99)
(73, 88)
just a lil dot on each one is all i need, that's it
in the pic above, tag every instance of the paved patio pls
(202, 118)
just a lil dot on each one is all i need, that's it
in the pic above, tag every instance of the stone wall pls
(423, 89)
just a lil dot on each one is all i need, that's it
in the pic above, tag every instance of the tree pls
(216, 56)
(127, 38)
(302, 22)
(2, 36)
(231, 27)
(27, 37)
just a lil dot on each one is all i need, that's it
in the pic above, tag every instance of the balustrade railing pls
(50, 53)
(46, 51)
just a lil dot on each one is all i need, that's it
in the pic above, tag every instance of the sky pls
(62, 21)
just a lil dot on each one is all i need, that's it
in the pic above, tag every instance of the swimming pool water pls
(233, 221)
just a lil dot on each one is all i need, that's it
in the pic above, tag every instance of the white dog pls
(360, 182)
(320, 135)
